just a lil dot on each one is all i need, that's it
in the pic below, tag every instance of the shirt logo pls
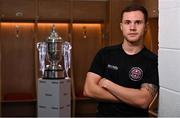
(112, 67)
(135, 74)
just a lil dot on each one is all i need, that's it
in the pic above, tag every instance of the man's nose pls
(132, 26)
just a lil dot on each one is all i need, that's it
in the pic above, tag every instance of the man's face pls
(133, 26)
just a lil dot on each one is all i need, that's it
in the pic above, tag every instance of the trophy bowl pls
(54, 51)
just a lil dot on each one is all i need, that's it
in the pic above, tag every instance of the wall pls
(169, 56)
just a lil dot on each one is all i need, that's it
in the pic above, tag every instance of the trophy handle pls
(42, 47)
(67, 57)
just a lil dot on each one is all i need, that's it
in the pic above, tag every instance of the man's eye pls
(139, 22)
(127, 22)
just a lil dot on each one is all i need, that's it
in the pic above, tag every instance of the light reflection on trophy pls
(54, 50)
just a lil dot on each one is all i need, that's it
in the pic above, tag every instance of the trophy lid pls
(54, 36)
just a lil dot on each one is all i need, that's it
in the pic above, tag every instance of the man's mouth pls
(132, 34)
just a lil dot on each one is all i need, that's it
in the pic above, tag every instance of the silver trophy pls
(54, 50)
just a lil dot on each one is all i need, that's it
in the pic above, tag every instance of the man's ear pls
(120, 25)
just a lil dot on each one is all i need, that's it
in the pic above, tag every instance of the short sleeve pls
(152, 75)
(97, 65)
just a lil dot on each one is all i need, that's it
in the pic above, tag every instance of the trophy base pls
(54, 74)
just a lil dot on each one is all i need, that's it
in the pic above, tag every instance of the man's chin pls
(132, 40)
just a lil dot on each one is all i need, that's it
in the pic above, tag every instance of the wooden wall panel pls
(89, 11)
(18, 9)
(151, 5)
(54, 10)
(84, 50)
(19, 109)
(17, 59)
(153, 28)
(148, 39)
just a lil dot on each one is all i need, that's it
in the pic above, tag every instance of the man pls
(124, 78)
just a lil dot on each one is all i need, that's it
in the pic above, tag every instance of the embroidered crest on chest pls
(135, 74)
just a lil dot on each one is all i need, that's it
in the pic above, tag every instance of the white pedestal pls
(54, 98)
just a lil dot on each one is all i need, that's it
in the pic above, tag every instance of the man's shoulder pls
(150, 55)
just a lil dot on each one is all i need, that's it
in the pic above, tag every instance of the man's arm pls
(93, 90)
(137, 97)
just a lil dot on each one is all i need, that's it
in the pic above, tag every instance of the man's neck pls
(132, 48)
